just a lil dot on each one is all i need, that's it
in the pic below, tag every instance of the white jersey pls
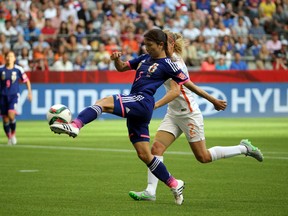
(185, 102)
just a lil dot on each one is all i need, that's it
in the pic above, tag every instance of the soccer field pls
(49, 174)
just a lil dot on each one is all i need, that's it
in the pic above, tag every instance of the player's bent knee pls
(203, 158)
(158, 148)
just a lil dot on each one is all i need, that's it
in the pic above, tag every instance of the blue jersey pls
(10, 78)
(152, 73)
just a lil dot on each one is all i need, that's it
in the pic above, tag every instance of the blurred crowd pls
(68, 35)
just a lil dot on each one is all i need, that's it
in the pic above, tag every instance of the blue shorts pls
(8, 102)
(138, 110)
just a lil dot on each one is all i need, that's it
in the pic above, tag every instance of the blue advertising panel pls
(244, 100)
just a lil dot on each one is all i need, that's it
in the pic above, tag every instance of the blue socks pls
(89, 114)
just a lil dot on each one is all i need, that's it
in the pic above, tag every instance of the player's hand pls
(29, 97)
(115, 55)
(220, 105)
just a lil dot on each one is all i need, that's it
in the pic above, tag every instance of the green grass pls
(92, 174)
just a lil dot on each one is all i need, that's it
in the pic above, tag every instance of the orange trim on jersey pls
(186, 98)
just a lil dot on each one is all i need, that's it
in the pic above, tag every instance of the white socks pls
(153, 180)
(219, 152)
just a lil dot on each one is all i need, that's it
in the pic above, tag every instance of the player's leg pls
(159, 170)
(196, 139)
(12, 125)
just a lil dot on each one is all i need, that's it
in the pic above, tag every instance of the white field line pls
(282, 157)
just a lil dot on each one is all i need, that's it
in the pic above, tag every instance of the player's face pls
(10, 58)
(153, 49)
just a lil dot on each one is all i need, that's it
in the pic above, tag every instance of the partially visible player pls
(184, 116)
(11, 74)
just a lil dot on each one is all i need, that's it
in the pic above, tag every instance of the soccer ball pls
(58, 113)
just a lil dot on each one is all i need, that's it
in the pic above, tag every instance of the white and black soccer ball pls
(58, 113)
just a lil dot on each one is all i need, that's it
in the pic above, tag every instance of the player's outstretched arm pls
(119, 64)
(170, 95)
(218, 104)
(28, 85)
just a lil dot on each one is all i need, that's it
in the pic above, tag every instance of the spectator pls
(263, 59)
(131, 42)
(40, 61)
(220, 7)
(9, 31)
(84, 12)
(68, 11)
(208, 64)
(101, 53)
(190, 54)
(240, 29)
(49, 32)
(221, 64)
(241, 46)
(80, 31)
(228, 19)
(246, 19)
(83, 45)
(204, 5)
(20, 44)
(33, 10)
(51, 11)
(237, 63)
(56, 21)
(78, 64)
(190, 32)
(24, 59)
(4, 42)
(222, 30)
(210, 32)
(257, 31)
(63, 64)
(15, 24)
(41, 42)
(206, 51)
(280, 17)
(274, 43)
(254, 50)
(105, 64)
(59, 53)
(223, 52)
(266, 10)
(39, 20)
(31, 33)
(252, 8)
(280, 61)
(280, 57)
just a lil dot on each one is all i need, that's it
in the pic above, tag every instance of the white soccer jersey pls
(185, 102)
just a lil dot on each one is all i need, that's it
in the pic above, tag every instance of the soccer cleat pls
(13, 140)
(69, 129)
(177, 192)
(252, 151)
(143, 195)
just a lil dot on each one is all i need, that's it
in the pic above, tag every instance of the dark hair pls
(157, 36)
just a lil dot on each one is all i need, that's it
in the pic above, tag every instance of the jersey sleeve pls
(23, 76)
(175, 72)
(133, 63)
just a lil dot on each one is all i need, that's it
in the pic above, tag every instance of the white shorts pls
(192, 125)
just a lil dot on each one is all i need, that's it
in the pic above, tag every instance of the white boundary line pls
(125, 150)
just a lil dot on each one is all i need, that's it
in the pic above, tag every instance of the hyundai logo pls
(206, 107)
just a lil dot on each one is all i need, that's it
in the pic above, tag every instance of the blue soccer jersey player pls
(11, 75)
(152, 70)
